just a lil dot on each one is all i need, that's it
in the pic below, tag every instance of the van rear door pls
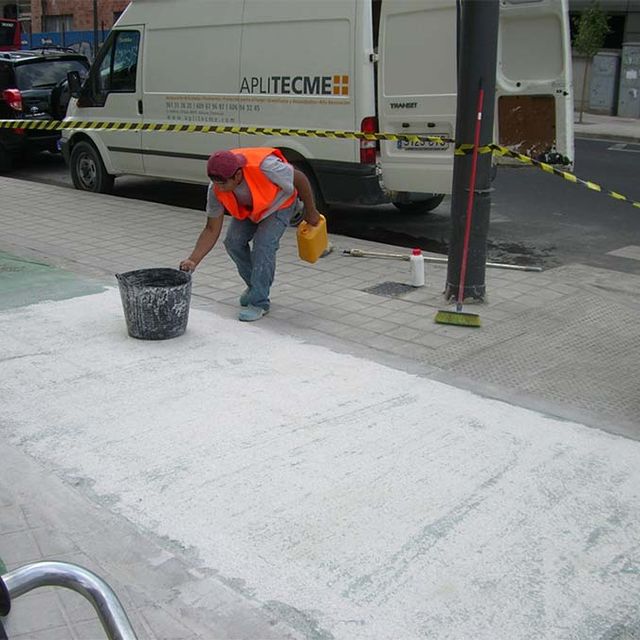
(418, 85)
(534, 94)
(417, 92)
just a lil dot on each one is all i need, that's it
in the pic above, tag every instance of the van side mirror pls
(75, 84)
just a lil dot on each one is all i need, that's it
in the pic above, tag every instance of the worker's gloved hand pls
(187, 265)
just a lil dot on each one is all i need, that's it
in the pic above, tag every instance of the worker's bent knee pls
(234, 243)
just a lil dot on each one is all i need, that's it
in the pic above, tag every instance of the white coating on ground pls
(377, 503)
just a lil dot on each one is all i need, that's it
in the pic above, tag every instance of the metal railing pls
(71, 576)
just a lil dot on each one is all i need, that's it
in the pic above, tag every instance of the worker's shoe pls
(244, 298)
(251, 313)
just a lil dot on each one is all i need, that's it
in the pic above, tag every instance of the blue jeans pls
(257, 265)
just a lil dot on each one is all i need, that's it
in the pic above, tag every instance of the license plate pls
(424, 145)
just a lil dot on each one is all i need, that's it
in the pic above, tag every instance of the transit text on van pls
(403, 105)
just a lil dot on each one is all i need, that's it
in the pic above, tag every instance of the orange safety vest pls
(263, 191)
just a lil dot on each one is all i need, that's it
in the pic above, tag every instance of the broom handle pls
(472, 187)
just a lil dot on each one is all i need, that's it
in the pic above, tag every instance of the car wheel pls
(87, 169)
(422, 207)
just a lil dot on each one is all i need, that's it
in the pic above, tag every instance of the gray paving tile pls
(379, 325)
(18, 548)
(51, 633)
(53, 544)
(12, 519)
(403, 333)
(158, 618)
(92, 630)
(433, 340)
(34, 612)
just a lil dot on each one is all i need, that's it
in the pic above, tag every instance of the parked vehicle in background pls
(32, 85)
(10, 35)
(366, 65)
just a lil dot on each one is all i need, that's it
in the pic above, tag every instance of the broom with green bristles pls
(458, 317)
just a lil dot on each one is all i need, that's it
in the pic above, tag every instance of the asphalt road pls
(536, 218)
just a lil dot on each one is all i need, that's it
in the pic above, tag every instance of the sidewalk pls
(563, 343)
(548, 341)
(608, 127)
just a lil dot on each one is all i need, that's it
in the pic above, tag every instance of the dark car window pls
(45, 73)
(6, 76)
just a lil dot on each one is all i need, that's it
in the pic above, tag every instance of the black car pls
(33, 87)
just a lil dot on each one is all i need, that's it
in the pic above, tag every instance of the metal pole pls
(476, 67)
(63, 574)
(95, 28)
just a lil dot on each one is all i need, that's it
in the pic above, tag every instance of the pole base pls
(471, 293)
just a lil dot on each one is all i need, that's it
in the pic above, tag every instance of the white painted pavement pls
(372, 502)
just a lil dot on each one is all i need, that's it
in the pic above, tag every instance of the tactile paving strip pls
(582, 351)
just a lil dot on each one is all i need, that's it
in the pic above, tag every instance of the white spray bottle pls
(416, 264)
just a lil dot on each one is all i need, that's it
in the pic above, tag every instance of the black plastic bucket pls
(155, 302)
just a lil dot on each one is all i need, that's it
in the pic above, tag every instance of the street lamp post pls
(95, 28)
(477, 68)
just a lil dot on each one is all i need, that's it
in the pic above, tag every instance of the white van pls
(366, 65)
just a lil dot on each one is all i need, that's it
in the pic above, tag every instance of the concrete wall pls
(579, 63)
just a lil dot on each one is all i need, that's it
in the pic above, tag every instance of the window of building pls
(57, 24)
(613, 40)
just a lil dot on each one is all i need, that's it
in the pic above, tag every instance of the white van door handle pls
(139, 107)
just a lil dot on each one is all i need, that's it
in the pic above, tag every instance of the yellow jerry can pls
(312, 241)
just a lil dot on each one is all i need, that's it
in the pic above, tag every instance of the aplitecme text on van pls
(333, 85)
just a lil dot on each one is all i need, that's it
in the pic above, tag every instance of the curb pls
(603, 135)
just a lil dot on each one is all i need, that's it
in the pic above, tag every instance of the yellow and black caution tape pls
(463, 149)
(58, 125)
(467, 149)
(566, 175)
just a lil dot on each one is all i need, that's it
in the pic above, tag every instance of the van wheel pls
(321, 204)
(88, 171)
(422, 207)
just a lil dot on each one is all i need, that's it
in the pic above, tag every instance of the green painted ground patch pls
(24, 282)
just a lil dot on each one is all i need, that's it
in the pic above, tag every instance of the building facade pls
(69, 23)
(624, 19)
(42, 16)
(610, 82)
(84, 24)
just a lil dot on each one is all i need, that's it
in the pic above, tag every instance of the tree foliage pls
(592, 26)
